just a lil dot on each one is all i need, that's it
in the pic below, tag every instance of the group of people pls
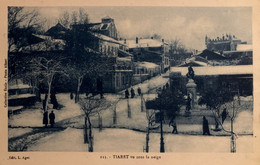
(46, 119)
(132, 91)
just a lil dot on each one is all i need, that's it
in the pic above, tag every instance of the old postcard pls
(163, 82)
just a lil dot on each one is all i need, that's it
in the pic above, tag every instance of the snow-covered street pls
(123, 140)
(121, 136)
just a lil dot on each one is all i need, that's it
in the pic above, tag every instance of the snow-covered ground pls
(33, 117)
(18, 131)
(125, 140)
(122, 140)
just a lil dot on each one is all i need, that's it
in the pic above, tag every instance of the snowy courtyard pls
(128, 134)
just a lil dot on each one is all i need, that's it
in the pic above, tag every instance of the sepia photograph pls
(130, 79)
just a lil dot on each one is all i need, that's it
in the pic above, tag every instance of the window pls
(117, 81)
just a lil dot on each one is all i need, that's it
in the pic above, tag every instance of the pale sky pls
(189, 24)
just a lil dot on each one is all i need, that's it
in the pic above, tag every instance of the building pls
(242, 56)
(144, 71)
(225, 43)
(119, 75)
(106, 27)
(239, 78)
(149, 50)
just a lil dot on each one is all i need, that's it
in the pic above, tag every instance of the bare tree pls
(45, 69)
(150, 116)
(91, 107)
(231, 113)
(20, 21)
(79, 16)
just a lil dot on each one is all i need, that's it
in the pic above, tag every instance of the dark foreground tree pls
(168, 102)
(215, 100)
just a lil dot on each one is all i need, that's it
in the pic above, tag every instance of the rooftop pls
(143, 43)
(146, 65)
(216, 70)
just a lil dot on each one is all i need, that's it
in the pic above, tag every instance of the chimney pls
(136, 40)
(163, 40)
(124, 41)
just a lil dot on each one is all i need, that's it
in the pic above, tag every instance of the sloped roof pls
(95, 27)
(57, 29)
(142, 43)
(216, 70)
(210, 55)
(194, 63)
(106, 38)
(46, 45)
(244, 47)
(146, 65)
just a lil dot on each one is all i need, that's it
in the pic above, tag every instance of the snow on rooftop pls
(47, 45)
(147, 65)
(143, 43)
(19, 86)
(216, 70)
(27, 95)
(244, 47)
(106, 38)
(123, 59)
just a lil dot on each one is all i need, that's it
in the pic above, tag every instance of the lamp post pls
(162, 141)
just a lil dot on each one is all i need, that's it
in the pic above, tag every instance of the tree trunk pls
(78, 88)
(128, 109)
(100, 125)
(49, 93)
(147, 138)
(233, 139)
(114, 116)
(142, 103)
(90, 144)
(86, 131)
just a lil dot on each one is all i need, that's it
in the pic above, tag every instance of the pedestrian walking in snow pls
(126, 94)
(174, 125)
(139, 91)
(52, 119)
(71, 95)
(205, 126)
(132, 93)
(45, 118)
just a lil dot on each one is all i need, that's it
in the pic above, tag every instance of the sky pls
(188, 24)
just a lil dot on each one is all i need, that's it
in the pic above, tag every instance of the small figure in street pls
(139, 91)
(205, 126)
(174, 125)
(52, 119)
(126, 94)
(71, 95)
(44, 104)
(45, 119)
(224, 115)
(132, 93)
(167, 85)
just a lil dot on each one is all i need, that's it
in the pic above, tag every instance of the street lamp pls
(162, 141)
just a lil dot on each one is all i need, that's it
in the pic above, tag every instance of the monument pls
(191, 91)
